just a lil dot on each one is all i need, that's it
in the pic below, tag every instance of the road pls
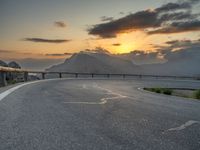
(96, 114)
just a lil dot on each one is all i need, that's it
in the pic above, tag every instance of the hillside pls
(178, 63)
(95, 63)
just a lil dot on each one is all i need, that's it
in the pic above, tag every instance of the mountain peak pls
(93, 62)
(3, 64)
(13, 64)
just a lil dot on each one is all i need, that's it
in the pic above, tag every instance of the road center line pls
(102, 100)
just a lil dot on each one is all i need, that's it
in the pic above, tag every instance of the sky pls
(55, 29)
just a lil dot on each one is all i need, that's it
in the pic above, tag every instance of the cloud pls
(140, 57)
(177, 16)
(6, 51)
(173, 6)
(139, 20)
(188, 51)
(98, 50)
(174, 51)
(41, 40)
(104, 18)
(171, 17)
(116, 44)
(58, 54)
(178, 42)
(178, 27)
(183, 44)
(60, 24)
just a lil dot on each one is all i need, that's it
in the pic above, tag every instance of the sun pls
(137, 40)
(125, 48)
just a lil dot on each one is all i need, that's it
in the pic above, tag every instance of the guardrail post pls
(124, 76)
(92, 75)
(43, 75)
(108, 75)
(60, 75)
(25, 76)
(3, 81)
(76, 74)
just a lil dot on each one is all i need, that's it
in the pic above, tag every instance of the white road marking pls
(185, 125)
(9, 91)
(84, 86)
(102, 100)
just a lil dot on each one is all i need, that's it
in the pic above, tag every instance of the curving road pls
(88, 114)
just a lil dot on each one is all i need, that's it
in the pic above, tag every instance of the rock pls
(3, 64)
(2, 76)
(14, 76)
(13, 64)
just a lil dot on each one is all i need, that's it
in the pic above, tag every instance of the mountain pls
(13, 64)
(183, 62)
(179, 63)
(178, 67)
(3, 64)
(96, 63)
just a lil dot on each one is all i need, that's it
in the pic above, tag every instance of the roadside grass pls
(160, 90)
(197, 94)
(193, 94)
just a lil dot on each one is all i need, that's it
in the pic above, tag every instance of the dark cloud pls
(174, 51)
(169, 18)
(57, 54)
(177, 16)
(178, 27)
(179, 42)
(177, 6)
(98, 50)
(188, 52)
(104, 18)
(60, 24)
(140, 57)
(173, 6)
(57, 41)
(116, 44)
(139, 20)
(183, 44)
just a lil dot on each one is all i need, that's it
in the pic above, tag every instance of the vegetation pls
(160, 90)
(167, 91)
(12, 81)
(197, 94)
(193, 94)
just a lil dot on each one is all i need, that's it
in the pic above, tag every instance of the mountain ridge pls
(94, 62)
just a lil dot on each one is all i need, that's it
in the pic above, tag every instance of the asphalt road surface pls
(98, 115)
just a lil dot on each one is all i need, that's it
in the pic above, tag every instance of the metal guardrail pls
(5, 70)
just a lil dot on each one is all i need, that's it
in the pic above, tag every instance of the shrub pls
(160, 90)
(167, 91)
(12, 81)
(157, 90)
(197, 94)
